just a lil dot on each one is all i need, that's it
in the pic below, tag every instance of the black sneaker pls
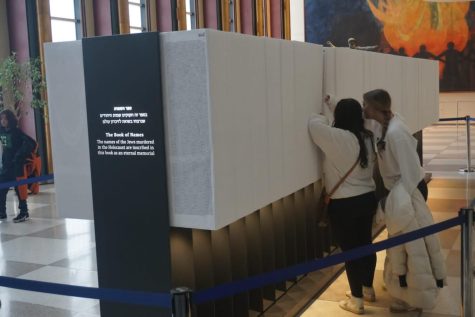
(22, 217)
(3, 216)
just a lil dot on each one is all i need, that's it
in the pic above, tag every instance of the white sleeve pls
(334, 142)
(406, 156)
(331, 104)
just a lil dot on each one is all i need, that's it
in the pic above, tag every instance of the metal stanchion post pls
(467, 275)
(469, 168)
(181, 302)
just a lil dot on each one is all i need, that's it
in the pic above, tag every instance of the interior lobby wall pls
(457, 104)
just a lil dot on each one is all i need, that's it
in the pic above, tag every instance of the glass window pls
(62, 9)
(63, 30)
(188, 15)
(65, 23)
(135, 16)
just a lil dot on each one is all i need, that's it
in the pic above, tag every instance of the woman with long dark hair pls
(348, 150)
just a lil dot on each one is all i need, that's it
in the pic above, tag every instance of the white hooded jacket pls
(420, 260)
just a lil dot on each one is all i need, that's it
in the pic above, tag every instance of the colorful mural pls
(436, 30)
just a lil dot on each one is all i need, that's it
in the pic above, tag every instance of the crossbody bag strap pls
(330, 194)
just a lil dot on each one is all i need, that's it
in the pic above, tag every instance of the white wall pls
(69, 134)
(412, 83)
(236, 112)
(236, 109)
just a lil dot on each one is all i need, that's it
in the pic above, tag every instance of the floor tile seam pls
(30, 237)
(81, 235)
(70, 268)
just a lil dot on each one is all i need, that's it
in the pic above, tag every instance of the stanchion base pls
(465, 170)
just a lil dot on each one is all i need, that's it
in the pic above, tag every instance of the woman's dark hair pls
(349, 116)
(11, 118)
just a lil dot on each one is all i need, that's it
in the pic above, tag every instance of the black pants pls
(422, 186)
(351, 220)
(22, 205)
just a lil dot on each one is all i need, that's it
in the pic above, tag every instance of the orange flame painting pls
(411, 23)
(442, 30)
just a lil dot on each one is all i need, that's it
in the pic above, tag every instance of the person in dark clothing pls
(468, 65)
(451, 75)
(17, 147)
(402, 51)
(424, 53)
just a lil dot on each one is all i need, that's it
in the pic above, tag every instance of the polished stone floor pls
(444, 153)
(445, 149)
(49, 248)
(46, 248)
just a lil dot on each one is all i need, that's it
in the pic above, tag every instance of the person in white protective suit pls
(414, 271)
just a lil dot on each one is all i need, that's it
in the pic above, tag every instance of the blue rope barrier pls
(26, 181)
(113, 295)
(229, 289)
(129, 297)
